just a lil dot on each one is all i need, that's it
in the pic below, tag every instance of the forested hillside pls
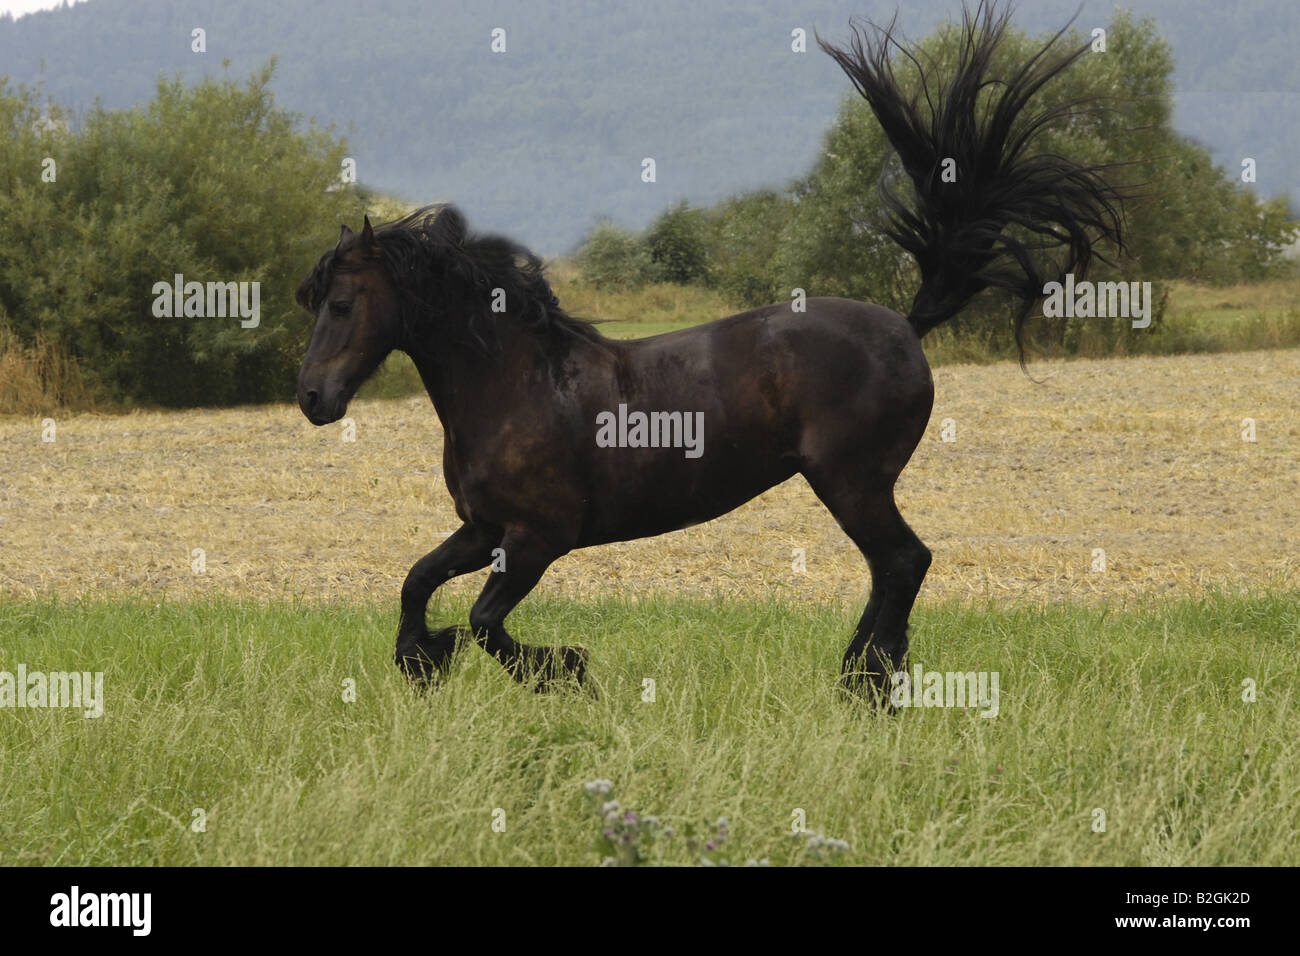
(546, 138)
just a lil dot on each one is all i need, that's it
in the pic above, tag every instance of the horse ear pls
(344, 236)
(367, 233)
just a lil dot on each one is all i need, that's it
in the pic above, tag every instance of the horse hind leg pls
(898, 562)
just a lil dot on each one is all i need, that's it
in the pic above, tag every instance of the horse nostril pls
(311, 395)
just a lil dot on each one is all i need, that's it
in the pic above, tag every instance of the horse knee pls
(415, 591)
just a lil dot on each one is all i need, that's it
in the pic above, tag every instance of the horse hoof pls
(425, 658)
(571, 662)
(575, 661)
(560, 663)
(862, 688)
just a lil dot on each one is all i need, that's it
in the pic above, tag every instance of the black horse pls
(558, 438)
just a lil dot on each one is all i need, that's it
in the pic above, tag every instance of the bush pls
(743, 239)
(612, 257)
(676, 244)
(210, 181)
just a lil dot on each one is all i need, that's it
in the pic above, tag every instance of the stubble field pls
(1142, 458)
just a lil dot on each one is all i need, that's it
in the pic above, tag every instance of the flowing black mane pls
(440, 269)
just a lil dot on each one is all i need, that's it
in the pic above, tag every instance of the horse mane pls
(439, 267)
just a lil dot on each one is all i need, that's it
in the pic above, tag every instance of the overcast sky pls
(19, 7)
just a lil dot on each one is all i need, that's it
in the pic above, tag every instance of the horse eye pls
(340, 310)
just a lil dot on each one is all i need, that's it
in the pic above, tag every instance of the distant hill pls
(544, 139)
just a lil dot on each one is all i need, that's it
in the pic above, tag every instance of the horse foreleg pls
(419, 654)
(527, 556)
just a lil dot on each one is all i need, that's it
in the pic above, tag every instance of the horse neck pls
(458, 376)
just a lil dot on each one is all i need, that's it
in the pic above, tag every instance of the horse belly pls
(655, 497)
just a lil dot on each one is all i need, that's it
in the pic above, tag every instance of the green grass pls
(641, 330)
(237, 708)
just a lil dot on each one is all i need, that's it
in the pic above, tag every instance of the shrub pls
(676, 245)
(211, 181)
(612, 257)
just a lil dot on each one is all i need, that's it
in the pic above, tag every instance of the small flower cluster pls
(822, 848)
(628, 838)
(718, 839)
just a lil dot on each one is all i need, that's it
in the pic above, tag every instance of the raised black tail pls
(956, 229)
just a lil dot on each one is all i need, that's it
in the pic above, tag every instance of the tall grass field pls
(237, 732)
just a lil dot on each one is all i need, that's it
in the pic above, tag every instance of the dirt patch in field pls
(1142, 457)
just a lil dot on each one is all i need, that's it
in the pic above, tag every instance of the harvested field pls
(1141, 457)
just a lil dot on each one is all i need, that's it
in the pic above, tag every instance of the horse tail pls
(972, 179)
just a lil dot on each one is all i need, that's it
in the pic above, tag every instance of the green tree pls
(213, 182)
(612, 257)
(675, 241)
(742, 239)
